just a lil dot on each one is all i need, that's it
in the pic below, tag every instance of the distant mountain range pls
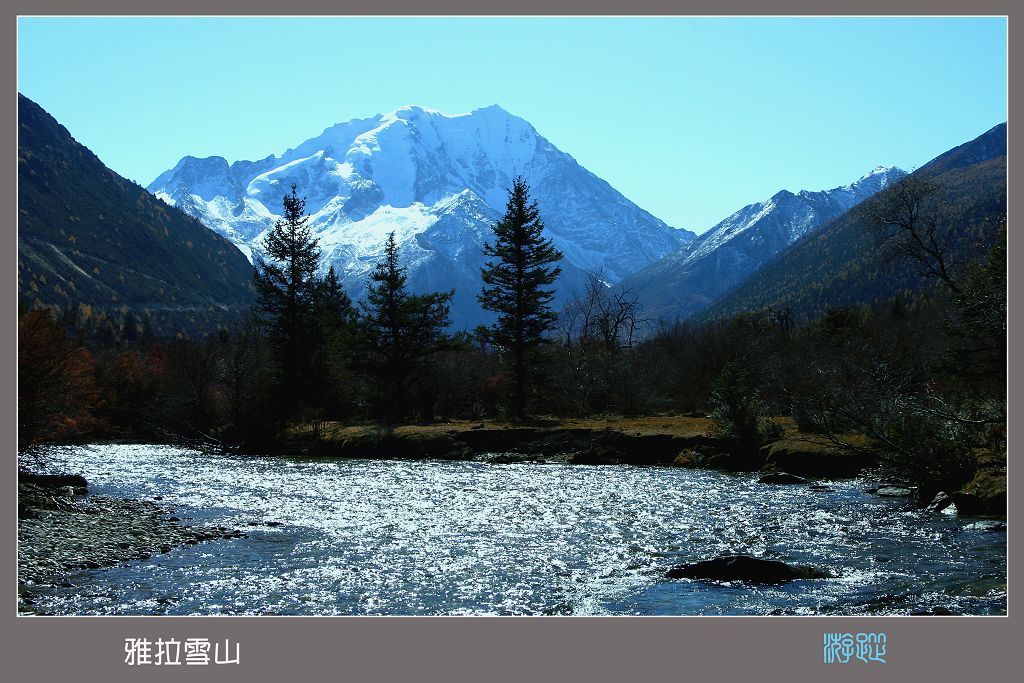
(689, 279)
(840, 264)
(439, 181)
(86, 235)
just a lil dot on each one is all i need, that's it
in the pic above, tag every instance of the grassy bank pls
(663, 440)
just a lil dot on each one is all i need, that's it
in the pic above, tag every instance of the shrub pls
(738, 408)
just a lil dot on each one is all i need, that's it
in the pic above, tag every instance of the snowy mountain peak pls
(440, 181)
(880, 170)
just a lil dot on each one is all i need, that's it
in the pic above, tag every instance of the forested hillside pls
(97, 245)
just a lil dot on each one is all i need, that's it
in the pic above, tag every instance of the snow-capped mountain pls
(439, 181)
(687, 280)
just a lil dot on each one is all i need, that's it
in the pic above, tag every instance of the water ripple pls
(394, 537)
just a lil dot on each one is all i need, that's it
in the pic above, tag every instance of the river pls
(391, 537)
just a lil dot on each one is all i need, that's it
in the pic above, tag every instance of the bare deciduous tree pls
(602, 317)
(904, 219)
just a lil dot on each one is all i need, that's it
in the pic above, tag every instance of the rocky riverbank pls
(62, 529)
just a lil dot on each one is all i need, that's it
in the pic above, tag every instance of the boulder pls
(744, 568)
(940, 502)
(596, 455)
(985, 494)
(55, 481)
(782, 478)
(815, 458)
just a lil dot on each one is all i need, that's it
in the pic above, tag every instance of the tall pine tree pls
(517, 286)
(400, 331)
(287, 286)
(336, 323)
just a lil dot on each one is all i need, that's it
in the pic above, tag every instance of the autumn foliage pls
(57, 391)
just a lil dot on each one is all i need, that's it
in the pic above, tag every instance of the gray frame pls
(512, 648)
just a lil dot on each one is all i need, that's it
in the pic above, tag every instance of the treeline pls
(920, 379)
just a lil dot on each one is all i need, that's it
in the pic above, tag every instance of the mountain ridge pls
(841, 266)
(684, 282)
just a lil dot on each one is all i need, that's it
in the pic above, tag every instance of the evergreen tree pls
(335, 311)
(517, 286)
(287, 286)
(400, 330)
(335, 318)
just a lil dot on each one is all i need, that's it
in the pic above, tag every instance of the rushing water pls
(430, 537)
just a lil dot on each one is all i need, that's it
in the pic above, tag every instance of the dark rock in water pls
(782, 478)
(744, 568)
(820, 487)
(596, 455)
(820, 459)
(987, 525)
(274, 523)
(463, 453)
(894, 491)
(55, 481)
(940, 502)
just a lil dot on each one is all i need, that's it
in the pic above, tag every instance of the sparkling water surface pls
(433, 537)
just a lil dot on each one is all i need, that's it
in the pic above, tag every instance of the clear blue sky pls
(690, 118)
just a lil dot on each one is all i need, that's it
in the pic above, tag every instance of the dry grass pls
(638, 426)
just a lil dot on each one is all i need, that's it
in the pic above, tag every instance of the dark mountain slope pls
(88, 236)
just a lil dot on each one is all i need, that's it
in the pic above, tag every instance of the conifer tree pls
(287, 286)
(517, 286)
(335, 307)
(335, 322)
(399, 330)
